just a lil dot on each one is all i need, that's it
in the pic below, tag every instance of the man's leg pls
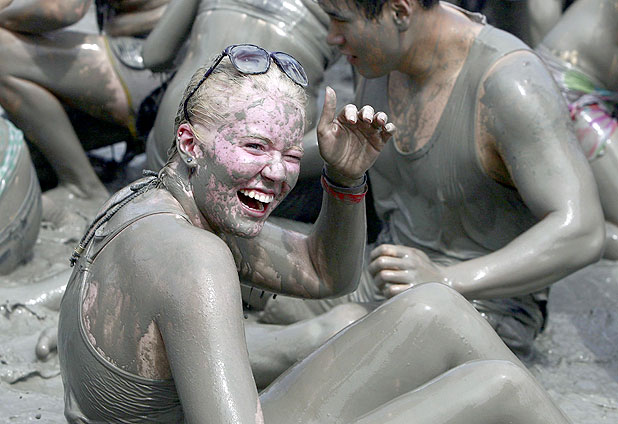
(275, 348)
(418, 336)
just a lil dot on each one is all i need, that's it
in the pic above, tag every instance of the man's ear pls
(400, 12)
(187, 144)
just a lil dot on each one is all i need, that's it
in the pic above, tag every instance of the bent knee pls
(506, 378)
(426, 304)
(432, 298)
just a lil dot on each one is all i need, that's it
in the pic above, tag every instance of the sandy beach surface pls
(576, 358)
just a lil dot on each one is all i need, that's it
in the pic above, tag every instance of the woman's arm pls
(38, 16)
(168, 35)
(200, 320)
(328, 261)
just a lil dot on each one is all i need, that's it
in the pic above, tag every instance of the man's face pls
(249, 162)
(371, 46)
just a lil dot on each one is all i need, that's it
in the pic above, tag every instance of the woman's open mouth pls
(255, 200)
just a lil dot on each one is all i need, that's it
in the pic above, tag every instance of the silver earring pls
(189, 159)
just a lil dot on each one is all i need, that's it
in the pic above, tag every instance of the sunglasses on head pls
(252, 60)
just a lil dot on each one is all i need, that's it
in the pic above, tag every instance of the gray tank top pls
(438, 198)
(95, 390)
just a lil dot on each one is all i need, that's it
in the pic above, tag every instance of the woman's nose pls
(275, 169)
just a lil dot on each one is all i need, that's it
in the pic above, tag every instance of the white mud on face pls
(576, 358)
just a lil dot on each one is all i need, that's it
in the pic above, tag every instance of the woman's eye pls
(254, 146)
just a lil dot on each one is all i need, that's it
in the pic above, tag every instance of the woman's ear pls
(400, 11)
(187, 144)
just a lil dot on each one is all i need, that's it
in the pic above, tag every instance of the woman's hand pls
(396, 268)
(351, 141)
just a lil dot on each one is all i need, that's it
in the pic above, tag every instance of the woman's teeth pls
(254, 194)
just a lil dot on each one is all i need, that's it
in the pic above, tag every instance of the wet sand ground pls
(576, 358)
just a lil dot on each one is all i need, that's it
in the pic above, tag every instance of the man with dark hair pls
(372, 9)
(483, 188)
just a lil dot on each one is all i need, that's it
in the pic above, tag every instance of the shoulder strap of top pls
(100, 241)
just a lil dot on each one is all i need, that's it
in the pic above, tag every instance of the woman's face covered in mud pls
(249, 161)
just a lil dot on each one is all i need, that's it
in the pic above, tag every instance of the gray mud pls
(576, 358)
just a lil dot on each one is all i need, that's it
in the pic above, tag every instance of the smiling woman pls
(151, 327)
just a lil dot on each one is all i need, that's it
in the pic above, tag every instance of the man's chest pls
(417, 110)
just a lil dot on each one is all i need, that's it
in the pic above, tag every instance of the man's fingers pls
(385, 262)
(385, 250)
(392, 290)
(388, 276)
(328, 111)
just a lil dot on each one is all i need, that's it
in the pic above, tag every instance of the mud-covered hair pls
(205, 105)
(373, 8)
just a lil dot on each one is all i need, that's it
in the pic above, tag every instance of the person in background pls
(581, 52)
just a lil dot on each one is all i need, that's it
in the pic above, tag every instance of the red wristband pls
(346, 197)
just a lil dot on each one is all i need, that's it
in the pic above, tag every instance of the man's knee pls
(433, 302)
(508, 380)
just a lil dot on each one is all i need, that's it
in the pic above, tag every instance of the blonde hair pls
(225, 79)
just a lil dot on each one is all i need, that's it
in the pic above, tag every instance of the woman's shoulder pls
(153, 226)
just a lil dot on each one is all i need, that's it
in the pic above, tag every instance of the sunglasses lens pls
(292, 68)
(250, 59)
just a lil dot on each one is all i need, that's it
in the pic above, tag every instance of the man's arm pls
(38, 16)
(167, 36)
(328, 261)
(525, 118)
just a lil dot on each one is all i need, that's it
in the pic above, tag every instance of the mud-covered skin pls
(237, 151)
(523, 123)
(586, 37)
(269, 260)
(134, 17)
(36, 17)
(529, 20)
(506, 132)
(20, 199)
(40, 73)
(543, 15)
(205, 25)
(33, 84)
(430, 348)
